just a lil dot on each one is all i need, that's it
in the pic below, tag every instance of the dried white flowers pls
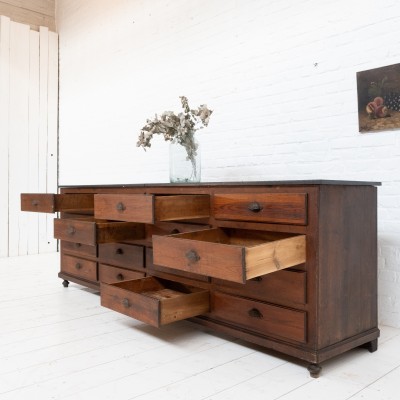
(179, 128)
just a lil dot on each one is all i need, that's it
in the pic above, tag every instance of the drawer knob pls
(125, 303)
(254, 207)
(119, 251)
(120, 277)
(254, 313)
(78, 265)
(192, 256)
(77, 245)
(120, 206)
(71, 230)
(35, 203)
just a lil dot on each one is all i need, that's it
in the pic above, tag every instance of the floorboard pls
(59, 343)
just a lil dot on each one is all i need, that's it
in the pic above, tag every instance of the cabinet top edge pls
(227, 184)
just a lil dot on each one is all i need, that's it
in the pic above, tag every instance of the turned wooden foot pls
(371, 346)
(65, 283)
(314, 370)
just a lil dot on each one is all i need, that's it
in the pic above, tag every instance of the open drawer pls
(90, 231)
(231, 254)
(51, 203)
(148, 208)
(155, 301)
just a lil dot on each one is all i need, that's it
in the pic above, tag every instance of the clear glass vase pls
(182, 168)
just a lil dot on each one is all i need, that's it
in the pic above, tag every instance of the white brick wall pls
(280, 75)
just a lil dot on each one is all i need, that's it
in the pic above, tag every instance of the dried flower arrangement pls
(178, 128)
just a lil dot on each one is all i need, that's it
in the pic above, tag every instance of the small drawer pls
(276, 208)
(229, 254)
(79, 267)
(263, 318)
(153, 269)
(92, 232)
(148, 209)
(122, 255)
(78, 249)
(109, 274)
(283, 287)
(51, 203)
(155, 301)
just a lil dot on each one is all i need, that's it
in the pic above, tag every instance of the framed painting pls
(378, 93)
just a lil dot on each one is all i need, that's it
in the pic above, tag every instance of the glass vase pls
(182, 168)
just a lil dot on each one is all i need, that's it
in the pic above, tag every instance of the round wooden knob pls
(192, 256)
(125, 303)
(254, 207)
(254, 313)
(120, 206)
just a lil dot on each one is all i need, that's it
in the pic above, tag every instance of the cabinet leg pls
(314, 370)
(65, 283)
(371, 346)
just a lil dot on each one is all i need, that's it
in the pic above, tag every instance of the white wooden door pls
(28, 134)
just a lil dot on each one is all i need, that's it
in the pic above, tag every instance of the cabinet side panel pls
(348, 262)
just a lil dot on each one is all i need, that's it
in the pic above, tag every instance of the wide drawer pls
(122, 255)
(51, 203)
(79, 267)
(284, 287)
(92, 232)
(109, 274)
(147, 208)
(278, 208)
(78, 249)
(263, 318)
(155, 301)
(230, 254)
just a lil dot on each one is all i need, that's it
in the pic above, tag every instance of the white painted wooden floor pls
(58, 343)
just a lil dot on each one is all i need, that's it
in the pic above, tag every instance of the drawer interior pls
(155, 301)
(235, 237)
(157, 288)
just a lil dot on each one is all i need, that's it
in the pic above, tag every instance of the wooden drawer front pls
(79, 249)
(280, 287)
(50, 203)
(279, 208)
(122, 255)
(109, 274)
(79, 267)
(92, 232)
(149, 208)
(155, 301)
(260, 317)
(234, 255)
(153, 269)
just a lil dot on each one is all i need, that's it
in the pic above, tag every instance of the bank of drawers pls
(108, 263)
(177, 270)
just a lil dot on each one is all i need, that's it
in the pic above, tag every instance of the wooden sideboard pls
(291, 266)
